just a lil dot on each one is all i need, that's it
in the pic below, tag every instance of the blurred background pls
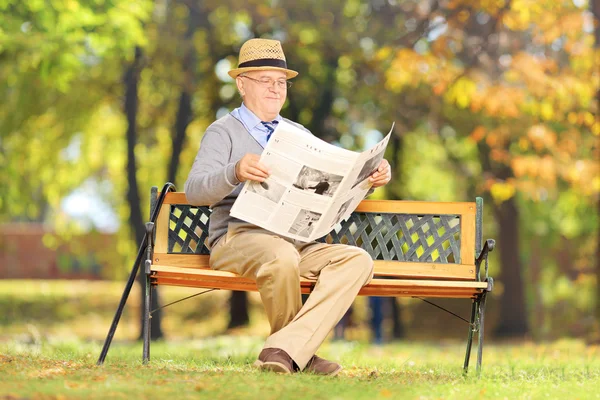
(103, 99)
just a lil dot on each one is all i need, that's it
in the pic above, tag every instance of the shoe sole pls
(337, 371)
(332, 373)
(272, 366)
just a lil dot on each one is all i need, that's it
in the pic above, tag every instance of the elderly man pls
(229, 155)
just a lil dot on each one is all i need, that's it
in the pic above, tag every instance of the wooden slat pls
(382, 267)
(177, 198)
(415, 207)
(369, 291)
(162, 230)
(467, 237)
(222, 276)
(306, 287)
(424, 270)
(414, 283)
(221, 285)
(181, 260)
(193, 273)
(384, 206)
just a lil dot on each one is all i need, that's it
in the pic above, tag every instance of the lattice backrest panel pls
(402, 237)
(386, 236)
(188, 229)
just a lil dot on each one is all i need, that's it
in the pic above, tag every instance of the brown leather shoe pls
(276, 360)
(320, 366)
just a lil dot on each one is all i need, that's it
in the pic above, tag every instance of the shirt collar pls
(250, 119)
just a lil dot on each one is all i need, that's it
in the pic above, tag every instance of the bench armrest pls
(488, 246)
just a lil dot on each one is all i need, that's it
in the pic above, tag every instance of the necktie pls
(270, 127)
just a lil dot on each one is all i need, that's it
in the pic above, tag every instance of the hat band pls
(264, 62)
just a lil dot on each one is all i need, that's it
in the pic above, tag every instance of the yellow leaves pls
(546, 110)
(535, 176)
(502, 191)
(541, 137)
(383, 53)
(532, 72)
(584, 174)
(516, 19)
(540, 169)
(501, 101)
(411, 69)
(461, 92)
(523, 144)
(464, 15)
(588, 118)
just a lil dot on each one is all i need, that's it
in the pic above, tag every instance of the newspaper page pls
(312, 187)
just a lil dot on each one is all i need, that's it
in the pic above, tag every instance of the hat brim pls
(288, 72)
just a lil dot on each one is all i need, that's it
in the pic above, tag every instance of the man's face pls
(263, 100)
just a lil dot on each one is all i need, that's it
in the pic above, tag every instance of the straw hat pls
(262, 55)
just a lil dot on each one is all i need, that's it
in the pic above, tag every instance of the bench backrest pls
(405, 238)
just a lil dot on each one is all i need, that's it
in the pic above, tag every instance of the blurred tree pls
(503, 79)
(50, 58)
(595, 9)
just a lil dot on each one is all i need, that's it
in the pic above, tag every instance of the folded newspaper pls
(312, 187)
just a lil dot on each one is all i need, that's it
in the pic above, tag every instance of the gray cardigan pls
(212, 180)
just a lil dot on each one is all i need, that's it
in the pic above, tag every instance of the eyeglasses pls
(268, 82)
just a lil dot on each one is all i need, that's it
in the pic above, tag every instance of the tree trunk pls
(184, 111)
(184, 116)
(535, 263)
(513, 315)
(130, 80)
(238, 310)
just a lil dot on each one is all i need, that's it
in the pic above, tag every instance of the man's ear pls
(239, 82)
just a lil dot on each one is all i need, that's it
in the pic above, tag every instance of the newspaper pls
(313, 185)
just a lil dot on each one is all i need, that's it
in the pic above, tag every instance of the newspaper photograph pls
(313, 185)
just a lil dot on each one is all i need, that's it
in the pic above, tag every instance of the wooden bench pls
(420, 249)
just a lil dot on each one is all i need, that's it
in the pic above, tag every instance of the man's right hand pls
(249, 168)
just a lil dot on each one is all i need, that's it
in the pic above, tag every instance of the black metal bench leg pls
(124, 297)
(481, 331)
(472, 329)
(146, 335)
(147, 291)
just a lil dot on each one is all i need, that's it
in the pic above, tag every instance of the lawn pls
(220, 368)
(51, 334)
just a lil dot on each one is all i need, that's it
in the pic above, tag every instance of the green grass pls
(220, 368)
(51, 334)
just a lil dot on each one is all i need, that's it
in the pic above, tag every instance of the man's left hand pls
(382, 174)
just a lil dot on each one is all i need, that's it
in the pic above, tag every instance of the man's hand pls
(382, 174)
(250, 169)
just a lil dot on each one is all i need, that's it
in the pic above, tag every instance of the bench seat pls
(211, 279)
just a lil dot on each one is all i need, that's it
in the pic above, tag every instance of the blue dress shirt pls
(253, 124)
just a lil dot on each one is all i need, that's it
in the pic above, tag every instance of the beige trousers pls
(276, 264)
